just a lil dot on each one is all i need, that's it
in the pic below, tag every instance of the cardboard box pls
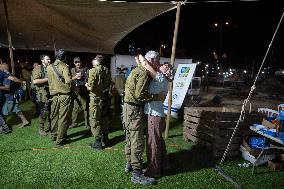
(268, 124)
(275, 165)
(263, 159)
(255, 152)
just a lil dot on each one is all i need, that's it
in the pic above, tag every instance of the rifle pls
(83, 80)
(58, 75)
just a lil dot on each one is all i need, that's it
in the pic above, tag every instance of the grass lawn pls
(30, 161)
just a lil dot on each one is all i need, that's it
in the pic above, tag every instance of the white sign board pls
(182, 80)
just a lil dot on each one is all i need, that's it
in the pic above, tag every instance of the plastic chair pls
(268, 112)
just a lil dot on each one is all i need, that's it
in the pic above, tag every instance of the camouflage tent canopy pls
(77, 25)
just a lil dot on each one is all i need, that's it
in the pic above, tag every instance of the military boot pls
(48, 128)
(73, 125)
(62, 142)
(128, 167)
(41, 130)
(97, 145)
(139, 178)
(105, 141)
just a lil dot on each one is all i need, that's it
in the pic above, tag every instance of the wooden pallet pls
(213, 127)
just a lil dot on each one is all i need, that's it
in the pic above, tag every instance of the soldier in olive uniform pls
(59, 80)
(79, 77)
(96, 86)
(136, 96)
(118, 90)
(106, 103)
(40, 82)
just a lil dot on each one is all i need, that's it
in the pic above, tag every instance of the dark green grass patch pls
(31, 161)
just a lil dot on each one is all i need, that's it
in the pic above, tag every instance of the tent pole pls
(54, 46)
(52, 34)
(9, 37)
(170, 86)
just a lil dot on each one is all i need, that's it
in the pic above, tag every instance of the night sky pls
(244, 40)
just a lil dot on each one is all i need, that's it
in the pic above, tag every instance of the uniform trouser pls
(35, 101)
(61, 110)
(96, 121)
(105, 122)
(134, 119)
(117, 103)
(44, 114)
(76, 109)
(106, 113)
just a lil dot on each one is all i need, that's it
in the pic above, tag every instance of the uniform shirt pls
(55, 85)
(119, 83)
(136, 87)
(40, 72)
(106, 79)
(158, 85)
(95, 80)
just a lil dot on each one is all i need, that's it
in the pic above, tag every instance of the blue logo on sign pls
(184, 69)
